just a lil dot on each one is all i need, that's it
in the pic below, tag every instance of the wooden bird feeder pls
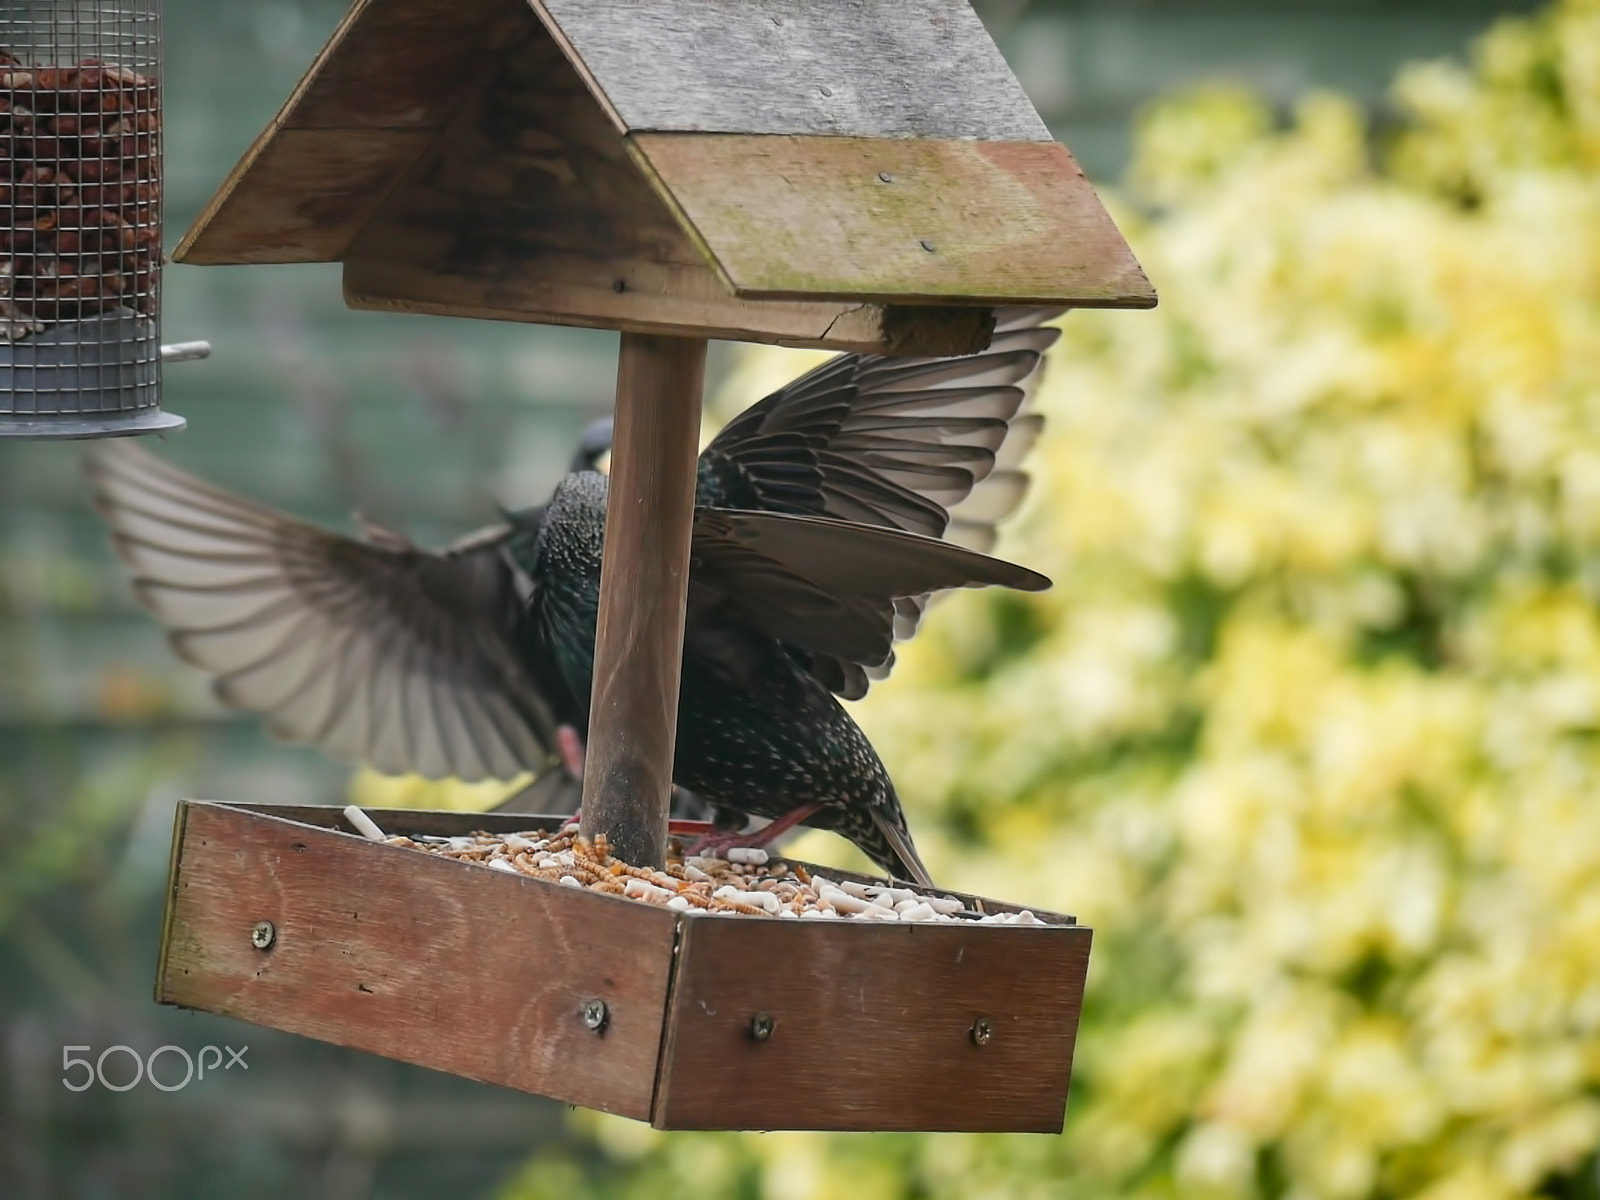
(842, 175)
(689, 1022)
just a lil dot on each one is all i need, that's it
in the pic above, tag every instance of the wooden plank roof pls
(776, 170)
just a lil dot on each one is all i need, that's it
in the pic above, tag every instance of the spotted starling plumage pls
(815, 547)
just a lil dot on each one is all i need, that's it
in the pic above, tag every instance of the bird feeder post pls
(644, 577)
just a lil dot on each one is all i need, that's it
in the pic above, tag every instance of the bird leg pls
(765, 836)
(569, 744)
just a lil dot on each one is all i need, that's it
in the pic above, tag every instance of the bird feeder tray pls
(844, 176)
(687, 1021)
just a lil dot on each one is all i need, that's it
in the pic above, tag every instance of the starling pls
(815, 545)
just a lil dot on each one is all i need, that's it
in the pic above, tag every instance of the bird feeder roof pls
(857, 174)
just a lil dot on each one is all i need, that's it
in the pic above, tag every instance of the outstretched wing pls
(377, 651)
(926, 445)
(823, 587)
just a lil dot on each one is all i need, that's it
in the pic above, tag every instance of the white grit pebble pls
(842, 901)
(366, 826)
(643, 889)
(746, 882)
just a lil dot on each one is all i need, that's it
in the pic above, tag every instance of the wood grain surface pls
(458, 162)
(884, 219)
(644, 580)
(520, 204)
(309, 194)
(871, 1026)
(374, 99)
(530, 208)
(401, 953)
(686, 301)
(856, 68)
(411, 821)
(449, 823)
(480, 973)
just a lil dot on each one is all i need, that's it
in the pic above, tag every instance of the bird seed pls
(751, 885)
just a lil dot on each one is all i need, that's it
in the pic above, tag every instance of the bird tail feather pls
(900, 842)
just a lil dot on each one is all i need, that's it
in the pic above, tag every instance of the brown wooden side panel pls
(447, 823)
(376, 96)
(308, 193)
(529, 175)
(406, 64)
(412, 821)
(871, 1026)
(563, 290)
(530, 209)
(895, 219)
(462, 969)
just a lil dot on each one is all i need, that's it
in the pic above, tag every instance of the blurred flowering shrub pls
(1309, 729)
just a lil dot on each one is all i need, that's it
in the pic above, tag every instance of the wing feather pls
(929, 446)
(827, 587)
(376, 651)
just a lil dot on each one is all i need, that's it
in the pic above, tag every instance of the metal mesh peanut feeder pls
(80, 219)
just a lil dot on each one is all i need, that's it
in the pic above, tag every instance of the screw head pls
(927, 245)
(885, 177)
(982, 1031)
(595, 1014)
(263, 935)
(761, 1026)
